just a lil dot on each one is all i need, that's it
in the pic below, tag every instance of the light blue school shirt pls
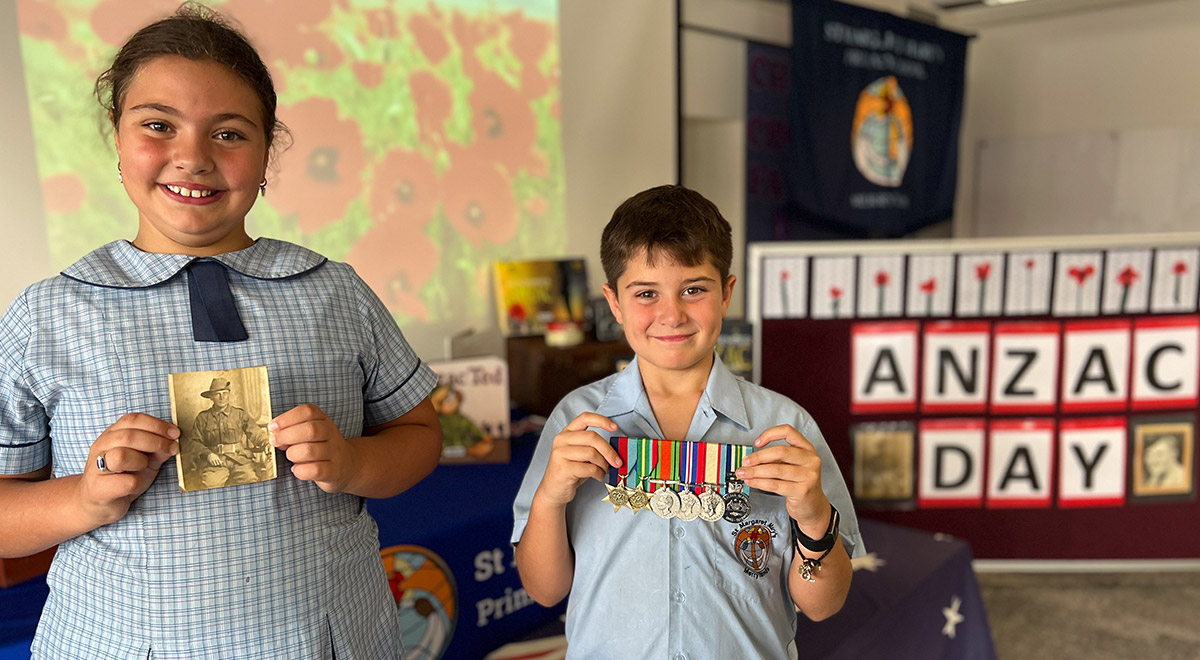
(278, 569)
(645, 587)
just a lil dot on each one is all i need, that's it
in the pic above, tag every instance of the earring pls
(262, 188)
(120, 177)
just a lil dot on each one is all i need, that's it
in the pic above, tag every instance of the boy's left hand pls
(317, 449)
(793, 471)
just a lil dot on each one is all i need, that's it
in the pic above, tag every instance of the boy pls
(643, 586)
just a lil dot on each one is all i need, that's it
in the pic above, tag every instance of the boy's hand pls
(577, 455)
(793, 471)
(133, 449)
(316, 447)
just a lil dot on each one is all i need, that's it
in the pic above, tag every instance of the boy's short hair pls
(673, 221)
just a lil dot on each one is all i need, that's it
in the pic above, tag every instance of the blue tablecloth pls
(914, 597)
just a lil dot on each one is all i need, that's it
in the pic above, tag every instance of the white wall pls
(618, 81)
(24, 258)
(1128, 71)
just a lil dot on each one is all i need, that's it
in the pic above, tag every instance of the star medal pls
(637, 500)
(712, 507)
(618, 496)
(737, 504)
(664, 502)
(689, 506)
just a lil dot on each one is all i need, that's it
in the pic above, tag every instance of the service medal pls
(689, 506)
(664, 503)
(618, 496)
(712, 507)
(638, 500)
(737, 504)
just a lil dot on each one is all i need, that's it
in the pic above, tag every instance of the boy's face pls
(671, 313)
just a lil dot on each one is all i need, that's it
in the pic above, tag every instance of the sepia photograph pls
(1162, 457)
(222, 417)
(883, 462)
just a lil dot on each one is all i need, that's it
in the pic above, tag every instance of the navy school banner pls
(876, 108)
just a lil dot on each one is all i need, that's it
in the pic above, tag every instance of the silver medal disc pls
(689, 506)
(712, 506)
(664, 503)
(737, 507)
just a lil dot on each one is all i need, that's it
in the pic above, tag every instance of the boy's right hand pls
(134, 448)
(577, 455)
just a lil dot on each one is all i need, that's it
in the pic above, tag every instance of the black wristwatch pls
(825, 543)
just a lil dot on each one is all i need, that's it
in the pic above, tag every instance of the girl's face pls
(192, 152)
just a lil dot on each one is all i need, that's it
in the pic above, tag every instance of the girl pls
(282, 568)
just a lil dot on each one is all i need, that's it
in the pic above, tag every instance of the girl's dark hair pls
(673, 221)
(197, 33)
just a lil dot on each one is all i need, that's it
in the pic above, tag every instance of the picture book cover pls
(471, 399)
(530, 294)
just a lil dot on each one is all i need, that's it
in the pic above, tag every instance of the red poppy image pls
(433, 101)
(1029, 264)
(320, 174)
(478, 200)
(504, 125)
(368, 74)
(430, 37)
(40, 20)
(278, 13)
(405, 189)
(929, 285)
(114, 21)
(835, 292)
(381, 23)
(1081, 274)
(470, 33)
(784, 275)
(396, 260)
(882, 278)
(1127, 276)
(288, 32)
(1180, 267)
(536, 206)
(63, 193)
(982, 270)
(528, 39)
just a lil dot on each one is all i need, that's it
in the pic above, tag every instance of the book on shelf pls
(531, 294)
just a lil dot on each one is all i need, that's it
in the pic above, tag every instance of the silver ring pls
(101, 464)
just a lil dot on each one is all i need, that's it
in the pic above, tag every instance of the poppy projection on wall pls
(426, 135)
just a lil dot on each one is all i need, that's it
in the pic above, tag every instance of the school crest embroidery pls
(752, 545)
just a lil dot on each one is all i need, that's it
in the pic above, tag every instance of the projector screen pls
(427, 136)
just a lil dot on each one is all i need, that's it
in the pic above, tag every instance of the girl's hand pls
(317, 449)
(131, 451)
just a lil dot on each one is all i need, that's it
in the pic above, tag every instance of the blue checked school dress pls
(276, 569)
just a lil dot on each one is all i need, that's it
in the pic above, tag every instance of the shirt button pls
(679, 598)
(679, 532)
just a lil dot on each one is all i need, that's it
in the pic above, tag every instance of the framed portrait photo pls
(1162, 457)
(884, 459)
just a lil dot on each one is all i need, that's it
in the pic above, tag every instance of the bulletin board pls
(1035, 396)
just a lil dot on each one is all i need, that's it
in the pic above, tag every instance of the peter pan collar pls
(120, 265)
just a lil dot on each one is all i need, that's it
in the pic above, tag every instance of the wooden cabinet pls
(539, 376)
(20, 569)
